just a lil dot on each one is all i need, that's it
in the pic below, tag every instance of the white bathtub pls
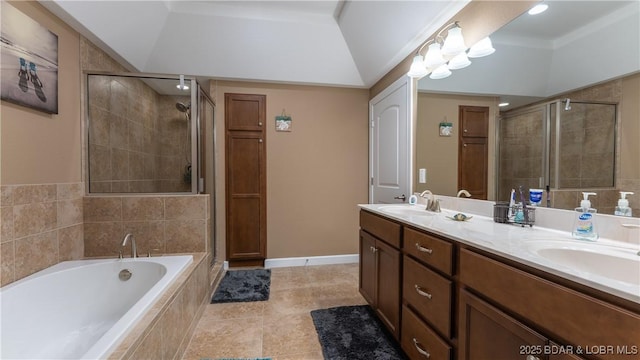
(80, 309)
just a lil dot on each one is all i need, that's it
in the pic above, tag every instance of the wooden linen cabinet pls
(245, 170)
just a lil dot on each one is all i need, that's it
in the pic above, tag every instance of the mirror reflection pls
(588, 52)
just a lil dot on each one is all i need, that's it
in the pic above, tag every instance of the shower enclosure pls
(145, 133)
(563, 144)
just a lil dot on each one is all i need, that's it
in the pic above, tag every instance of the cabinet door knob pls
(423, 249)
(260, 123)
(424, 293)
(465, 130)
(420, 350)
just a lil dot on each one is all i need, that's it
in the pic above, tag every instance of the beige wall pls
(438, 154)
(316, 174)
(39, 148)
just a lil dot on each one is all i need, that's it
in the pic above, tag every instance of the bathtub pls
(81, 309)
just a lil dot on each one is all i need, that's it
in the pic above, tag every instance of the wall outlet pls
(422, 176)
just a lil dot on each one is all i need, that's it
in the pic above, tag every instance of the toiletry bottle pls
(584, 226)
(623, 208)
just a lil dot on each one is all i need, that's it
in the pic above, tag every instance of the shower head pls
(182, 107)
(567, 104)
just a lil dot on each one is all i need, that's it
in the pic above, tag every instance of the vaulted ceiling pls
(328, 42)
(354, 43)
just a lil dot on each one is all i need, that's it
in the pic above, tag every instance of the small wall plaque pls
(446, 128)
(283, 122)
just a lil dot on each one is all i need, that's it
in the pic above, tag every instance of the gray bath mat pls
(354, 333)
(243, 286)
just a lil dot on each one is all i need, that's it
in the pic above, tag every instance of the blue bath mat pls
(243, 286)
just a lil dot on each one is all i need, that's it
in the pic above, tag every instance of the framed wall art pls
(28, 61)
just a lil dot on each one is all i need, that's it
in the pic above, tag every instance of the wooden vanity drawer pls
(429, 249)
(420, 342)
(564, 313)
(382, 228)
(429, 294)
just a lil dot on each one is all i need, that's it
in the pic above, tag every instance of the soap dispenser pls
(584, 226)
(623, 208)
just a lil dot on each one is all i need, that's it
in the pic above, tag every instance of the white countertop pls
(517, 243)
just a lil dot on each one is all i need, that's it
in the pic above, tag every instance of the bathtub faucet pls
(134, 252)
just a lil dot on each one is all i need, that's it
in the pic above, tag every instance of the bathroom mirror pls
(574, 45)
(140, 134)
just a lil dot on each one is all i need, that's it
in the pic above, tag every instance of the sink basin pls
(405, 210)
(613, 263)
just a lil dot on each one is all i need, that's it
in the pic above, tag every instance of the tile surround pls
(161, 224)
(41, 226)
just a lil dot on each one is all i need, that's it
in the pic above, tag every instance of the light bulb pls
(454, 43)
(433, 58)
(482, 48)
(459, 61)
(440, 73)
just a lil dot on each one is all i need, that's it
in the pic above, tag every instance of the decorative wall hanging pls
(29, 61)
(283, 122)
(446, 128)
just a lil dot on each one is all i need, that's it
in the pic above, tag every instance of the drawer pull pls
(420, 350)
(531, 357)
(422, 292)
(423, 249)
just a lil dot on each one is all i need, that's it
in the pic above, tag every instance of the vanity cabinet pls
(427, 295)
(444, 299)
(586, 324)
(380, 266)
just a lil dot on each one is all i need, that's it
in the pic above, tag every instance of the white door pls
(390, 143)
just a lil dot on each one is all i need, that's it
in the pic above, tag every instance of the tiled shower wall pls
(42, 225)
(138, 140)
(161, 224)
(522, 171)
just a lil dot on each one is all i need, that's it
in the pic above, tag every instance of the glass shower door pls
(522, 151)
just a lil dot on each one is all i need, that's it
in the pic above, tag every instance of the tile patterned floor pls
(280, 328)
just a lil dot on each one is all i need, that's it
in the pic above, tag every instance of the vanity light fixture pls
(482, 48)
(459, 61)
(454, 43)
(441, 72)
(182, 85)
(446, 54)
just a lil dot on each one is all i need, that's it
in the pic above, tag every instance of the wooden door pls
(488, 333)
(245, 179)
(473, 150)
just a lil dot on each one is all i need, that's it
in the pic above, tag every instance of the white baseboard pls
(307, 261)
(311, 260)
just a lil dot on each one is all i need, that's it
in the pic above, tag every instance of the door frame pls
(411, 104)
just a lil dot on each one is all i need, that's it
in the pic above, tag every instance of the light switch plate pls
(422, 176)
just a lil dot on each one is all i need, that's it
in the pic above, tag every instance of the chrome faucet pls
(463, 192)
(433, 204)
(134, 251)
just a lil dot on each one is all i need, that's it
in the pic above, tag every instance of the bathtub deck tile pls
(282, 327)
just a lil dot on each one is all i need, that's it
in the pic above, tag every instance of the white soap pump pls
(584, 226)
(623, 208)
